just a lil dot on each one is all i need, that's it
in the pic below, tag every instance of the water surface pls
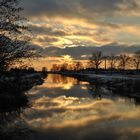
(64, 108)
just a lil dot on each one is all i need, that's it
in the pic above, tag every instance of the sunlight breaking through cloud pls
(72, 23)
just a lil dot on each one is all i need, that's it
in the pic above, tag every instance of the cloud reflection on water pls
(82, 118)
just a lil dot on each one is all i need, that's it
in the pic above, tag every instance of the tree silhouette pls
(124, 60)
(14, 35)
(105, 59)
(112, 61)
(136, 60)
(78, 66)
(96, 59)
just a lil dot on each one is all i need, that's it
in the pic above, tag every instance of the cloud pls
(48, 30)
(76, 33)
(78, 27)
(54, 55)
(46, 39)
(92, 11)
(78, 8)
(79, 51)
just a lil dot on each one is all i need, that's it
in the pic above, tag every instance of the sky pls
(73, 29)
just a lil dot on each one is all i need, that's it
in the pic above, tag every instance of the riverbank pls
(123, 85)
(22, 76)
(103, 78)
(14, 86)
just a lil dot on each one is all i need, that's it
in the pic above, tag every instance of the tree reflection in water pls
(128, 90)
(13, 101)
(63, 79)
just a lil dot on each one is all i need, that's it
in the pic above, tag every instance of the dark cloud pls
(47, 30)
(47, 39)
(99, 12)
(92, 131)
(78, 8)
(59, 33)
(109, 6)
(77, 52)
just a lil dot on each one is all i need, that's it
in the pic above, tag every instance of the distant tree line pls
(98, 61)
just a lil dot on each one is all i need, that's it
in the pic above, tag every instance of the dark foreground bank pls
(14, 99)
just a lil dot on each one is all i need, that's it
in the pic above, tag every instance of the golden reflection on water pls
(88, 117)
(59, 81)
(68, 110)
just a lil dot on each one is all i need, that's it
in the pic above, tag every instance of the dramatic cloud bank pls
(72, 23)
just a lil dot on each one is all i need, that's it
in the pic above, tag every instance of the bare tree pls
(96, 59)
(55, 67)
(112, 61)
(136, 60)
(64, 67)
(44, 69)
(78, 66)
(105, 61)
(14, 35)
(124, 59)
